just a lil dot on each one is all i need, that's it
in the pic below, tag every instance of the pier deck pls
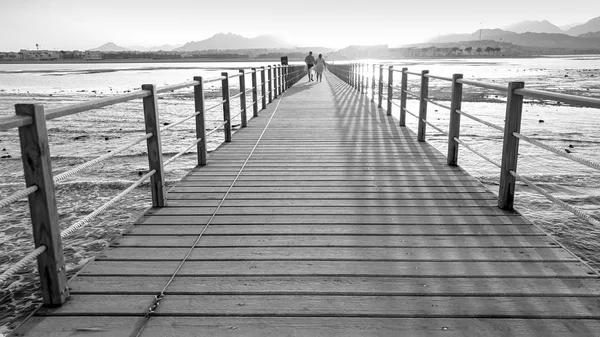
(334, 221)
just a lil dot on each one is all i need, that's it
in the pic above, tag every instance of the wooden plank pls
(338, 189)
(340, 229)
(323, 195)
(342, 306)
(335, 203)
(222, 181)
(381, 240)
(161, 326)
(356, 253)
(342, 268)
(317, 285)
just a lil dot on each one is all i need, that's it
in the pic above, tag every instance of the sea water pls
(77, 138)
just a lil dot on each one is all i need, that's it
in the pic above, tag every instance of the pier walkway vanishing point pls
(325, 218)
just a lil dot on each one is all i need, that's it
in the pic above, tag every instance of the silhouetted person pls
(319, 67)
(310, 62)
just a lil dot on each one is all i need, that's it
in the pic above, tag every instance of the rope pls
(83, 166)
(8, 273)
(215, 129)
(578, 159)
(396, 104)
(410, 113)
(180, 121)
(412, 95)
(95, 213)
(435, 127)
(438, 104)
(161, 295)
(476, 152)
(21, 194)
(481, 121)
(215, 106)
(181, 153)
(574, 210)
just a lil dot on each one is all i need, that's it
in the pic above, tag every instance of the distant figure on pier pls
(310, 62)
(319, 67)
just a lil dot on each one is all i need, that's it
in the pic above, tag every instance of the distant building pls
(93, 55)
(364, 52)
(39, 55)
(9, 56)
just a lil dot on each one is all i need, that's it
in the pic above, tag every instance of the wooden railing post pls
(373, 85)
(279, 80)
(274, 81)
(380, 85)
(361, 78)
(454, 127)
(254, 94)
(270, 84)
(155, 160)
(403, 96)
(243, 98)
(390, 90)
(37, 168)
(510, 146)
(263, 86)
(226, 106)
(353, 75)
(200, 120)
(422, 127)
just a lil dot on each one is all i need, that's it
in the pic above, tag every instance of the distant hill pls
(534, 27)
(110, 46)
(538, 40)
(591, 26)
(164, 47)
(234, 41)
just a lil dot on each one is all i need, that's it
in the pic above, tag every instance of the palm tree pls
(37, 46)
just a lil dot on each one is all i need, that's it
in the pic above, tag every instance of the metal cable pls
(112, 201)
(83, 166)
(27, 259)
(161, 295)
(480, 120)
(476, 152)
(180, 121)
(438, 104)
(561, 153)
(435, 127)
(581, 214)
(181, 153)
(21, 194)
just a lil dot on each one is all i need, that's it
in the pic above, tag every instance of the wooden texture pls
(155, 158)
(37, 169)
(226, 106)
(390, 91)
(254, 93)
(424, 94)
(454, 128)
(244, 116)
(200, 120)
(340, 224)
(263, 86)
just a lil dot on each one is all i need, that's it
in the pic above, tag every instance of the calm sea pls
(78, 138)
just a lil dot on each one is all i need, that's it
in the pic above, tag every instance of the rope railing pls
(565, 98)
(410, 113)
(214, 79)
(26, 260)
(581, 214)
(435, 127)
(108, 204)
(494, 126)
(429, 100)
(174, 87)
(172, 125)
(559, 152)
(468, 147)
(103, 157)
(484, 85)
(412, 73)
(17, 196)
(413, 95)
(179, 154)
(219, 127)
(237, 95)
(439, 77)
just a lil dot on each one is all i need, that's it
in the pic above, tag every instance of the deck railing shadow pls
(30, 119)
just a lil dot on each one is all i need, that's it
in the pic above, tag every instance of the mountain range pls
(545, 26)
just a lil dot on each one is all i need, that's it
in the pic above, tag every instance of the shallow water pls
(78, 138)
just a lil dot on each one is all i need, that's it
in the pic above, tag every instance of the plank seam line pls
(157, 298)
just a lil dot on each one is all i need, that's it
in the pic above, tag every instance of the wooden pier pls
(325, 218)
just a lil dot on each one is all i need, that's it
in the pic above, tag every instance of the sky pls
(86, 24)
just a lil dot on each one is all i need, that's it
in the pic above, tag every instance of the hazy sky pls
(86, 24)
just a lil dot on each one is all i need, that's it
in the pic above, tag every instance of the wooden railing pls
(31, 121)
(355, 75)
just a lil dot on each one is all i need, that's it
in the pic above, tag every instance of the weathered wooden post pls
(270, 83)
(454, 127)
(200, 120)
(254, 93)
(37, 168)
(226, 106)
(373, 84)
(155, 162)
(510, 146)
(279, 80)
(380, 87)
(403, 96)
(274, 82)
(243, 98)
(423, 106)
(263, 87)
(361, 78)
(390, 90)
(353, 75)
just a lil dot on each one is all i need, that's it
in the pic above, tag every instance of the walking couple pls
(319, 65)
